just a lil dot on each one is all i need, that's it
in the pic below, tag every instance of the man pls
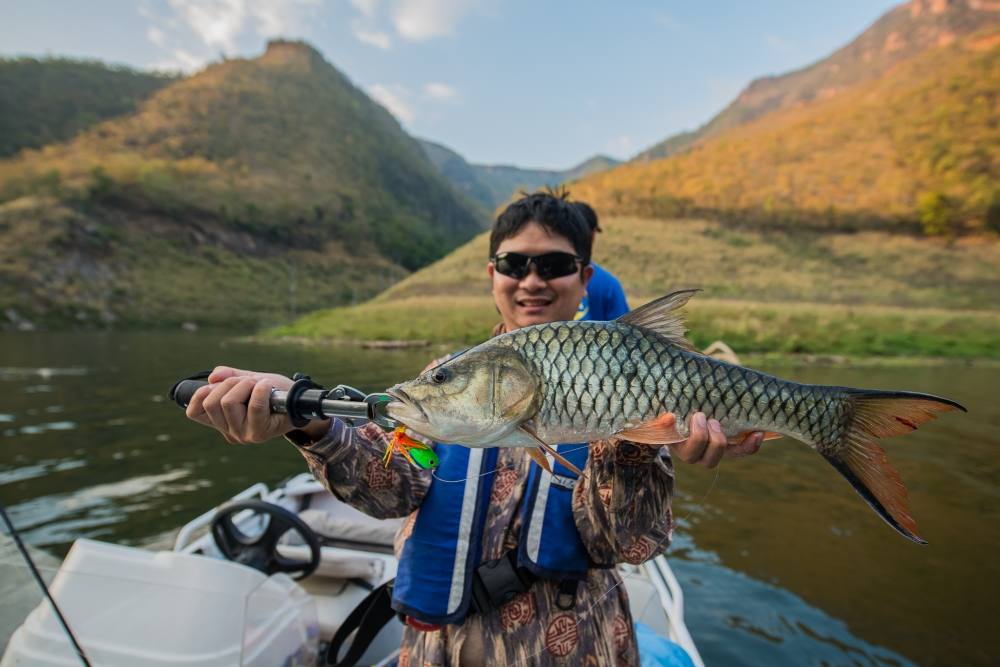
(605, 299)
(469, 527)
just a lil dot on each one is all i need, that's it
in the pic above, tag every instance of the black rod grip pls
(183, 391)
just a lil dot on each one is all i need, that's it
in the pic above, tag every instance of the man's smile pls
(534, 301)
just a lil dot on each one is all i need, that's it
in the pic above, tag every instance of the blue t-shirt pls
(604, 300)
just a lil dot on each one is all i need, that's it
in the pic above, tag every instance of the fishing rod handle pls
(310, 401)
(310, 404)
(182, 392)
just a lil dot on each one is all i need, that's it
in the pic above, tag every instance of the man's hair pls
(553, 212)
(589, 215)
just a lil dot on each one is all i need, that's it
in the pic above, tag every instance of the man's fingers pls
(716, 447)
(213, 404)
(195, 409)
(692, 449)
(750, 445)
(260, 421)
(220, 373)
(234, 407)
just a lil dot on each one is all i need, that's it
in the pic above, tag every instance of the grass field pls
(747, 327)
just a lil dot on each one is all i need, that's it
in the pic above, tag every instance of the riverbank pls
(758, 330)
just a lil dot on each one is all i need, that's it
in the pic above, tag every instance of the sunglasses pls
(550, 265)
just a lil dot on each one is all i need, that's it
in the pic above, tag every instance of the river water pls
(781, 562)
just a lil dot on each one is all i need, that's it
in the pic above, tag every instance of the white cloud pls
(282, 18)
(395, 98)
(366, 7)
(440, 91)
(420, 20)
(156, 36)
(215, 22)
(375, 38)
(218, 24)
(415, 20)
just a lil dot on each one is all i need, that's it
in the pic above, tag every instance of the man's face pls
(531, 300)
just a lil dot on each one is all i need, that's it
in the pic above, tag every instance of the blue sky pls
(536, 84)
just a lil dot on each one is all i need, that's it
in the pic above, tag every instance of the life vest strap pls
(368, 618)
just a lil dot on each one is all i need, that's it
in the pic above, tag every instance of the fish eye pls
(440, 376)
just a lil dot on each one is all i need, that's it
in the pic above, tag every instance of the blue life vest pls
(434, 580)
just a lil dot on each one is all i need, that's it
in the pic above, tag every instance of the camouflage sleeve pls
(348, 461)
(621, 505)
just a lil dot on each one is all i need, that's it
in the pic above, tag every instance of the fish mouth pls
(400, 396)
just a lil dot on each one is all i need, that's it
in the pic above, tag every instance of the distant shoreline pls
(747, 358)
(766, 330)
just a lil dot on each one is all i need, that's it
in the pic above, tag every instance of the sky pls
(538, 84)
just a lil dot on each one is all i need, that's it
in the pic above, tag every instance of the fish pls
(638, 378)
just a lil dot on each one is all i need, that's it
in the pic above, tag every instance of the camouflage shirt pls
(621, 507)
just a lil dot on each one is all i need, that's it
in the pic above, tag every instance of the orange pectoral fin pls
(536, 453)
(659, 431)
(547, 448)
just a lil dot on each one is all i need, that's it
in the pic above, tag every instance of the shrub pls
(937, 214)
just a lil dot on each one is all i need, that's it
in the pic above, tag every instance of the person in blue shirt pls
(605, 299)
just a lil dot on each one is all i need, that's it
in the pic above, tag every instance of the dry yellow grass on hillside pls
(652, 257)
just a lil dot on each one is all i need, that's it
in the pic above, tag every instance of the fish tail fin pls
(859, 458)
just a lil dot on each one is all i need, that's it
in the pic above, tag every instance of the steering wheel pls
(260, 551)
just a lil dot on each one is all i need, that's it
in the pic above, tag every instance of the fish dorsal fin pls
(661, 316)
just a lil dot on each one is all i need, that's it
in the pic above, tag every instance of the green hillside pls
(53, 99)
(494, 185)
(870, 293)
(915, 150)
(902, 33)
(273, 180)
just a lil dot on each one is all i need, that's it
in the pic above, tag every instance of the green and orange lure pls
(416, 452)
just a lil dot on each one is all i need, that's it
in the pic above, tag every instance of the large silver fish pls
(639, 379)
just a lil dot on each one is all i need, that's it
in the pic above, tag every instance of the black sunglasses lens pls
(555, 265)
(549, 266)
(511, 264)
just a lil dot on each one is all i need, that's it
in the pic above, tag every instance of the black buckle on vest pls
(566, 597)
(496, 582)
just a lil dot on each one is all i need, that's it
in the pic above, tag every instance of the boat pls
(207, 603)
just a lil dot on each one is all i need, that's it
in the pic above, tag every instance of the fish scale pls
(606, 366)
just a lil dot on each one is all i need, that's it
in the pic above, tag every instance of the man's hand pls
(707, 444)
(237, 404)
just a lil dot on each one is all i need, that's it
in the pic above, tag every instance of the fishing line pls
(495, 470)
(41, 582)
(582, 616)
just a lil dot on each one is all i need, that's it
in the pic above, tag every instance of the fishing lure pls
(416, 452)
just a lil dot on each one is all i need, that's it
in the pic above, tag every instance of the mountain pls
(254, 188)
(494, 185)
(902, 33)
(918, 147)
(53, 99)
